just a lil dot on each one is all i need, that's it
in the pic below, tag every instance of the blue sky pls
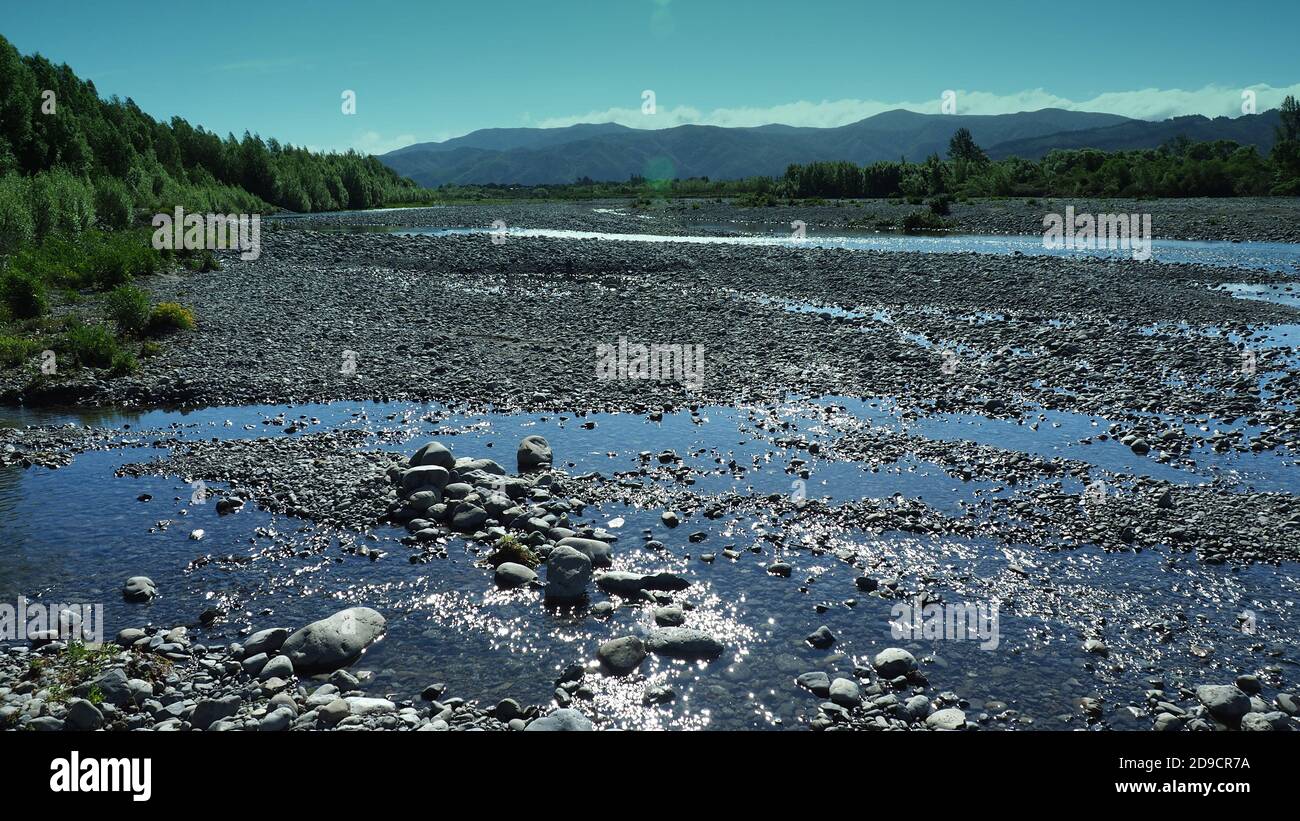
(428, 70)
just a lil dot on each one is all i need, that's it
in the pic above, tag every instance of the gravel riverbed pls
(1013, 409)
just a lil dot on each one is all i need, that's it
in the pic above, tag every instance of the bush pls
(60, 203)
(112, 204)
(91, 346)
(923, 221)
(15, 350)
(128, 307)
(168, 317)
(114, 259)
(23, 293)
(203, 260)
(123, 362)
(16, 226)
(941, 205)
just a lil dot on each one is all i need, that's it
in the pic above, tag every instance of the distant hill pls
(607, 151)
(536, 156)
(1253, 129)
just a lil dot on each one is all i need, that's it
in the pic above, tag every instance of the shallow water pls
(76, 533)
(1282, 257)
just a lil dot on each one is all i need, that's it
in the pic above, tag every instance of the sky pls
(425, 70)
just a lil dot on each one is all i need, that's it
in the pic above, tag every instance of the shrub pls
(112, 203)
(941, 205)
(168, 317)
(16, 226)
(55, 261)
(91, 346)
(23, 293)
(923, 221)
(15, 350)
(128, 307)
(203, 260)
(60, 203)
(114, 259)
(123, 362)
(755, 200)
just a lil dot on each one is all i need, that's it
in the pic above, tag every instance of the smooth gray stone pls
(337, 641)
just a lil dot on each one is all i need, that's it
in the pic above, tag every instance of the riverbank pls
(1232, 219)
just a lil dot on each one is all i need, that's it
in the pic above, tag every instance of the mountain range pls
(613, 152)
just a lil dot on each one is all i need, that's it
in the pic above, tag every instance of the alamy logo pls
(954, 622)
(681, 363)
(65, 622)
(212, 232)
(128, 775)
(1092, 231)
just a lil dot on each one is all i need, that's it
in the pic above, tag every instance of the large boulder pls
(434, 453)
(683, 643)
(567, 574)
(335, 642)
(534, 453)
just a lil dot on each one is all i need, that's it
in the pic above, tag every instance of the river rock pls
(279, 667)
(893, 662)
(562, 720)
(337, 641)
(949, 719)
(83, 715)
(278, 719)
(435, 454)
(567, 573)
(683, 643)
(211, 710)
(139, 588)
(845, 692)
(622, 655)
(534, 454)
(265, 641)
(512, 574)
(821, 638)
(426, 477)
(468, 518)
(670, 616)
(599, 552)
(1224, 701)
(816, 682)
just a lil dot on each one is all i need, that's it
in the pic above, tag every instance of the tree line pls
(65, 149)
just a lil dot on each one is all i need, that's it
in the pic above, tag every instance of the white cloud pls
(1144, 104)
